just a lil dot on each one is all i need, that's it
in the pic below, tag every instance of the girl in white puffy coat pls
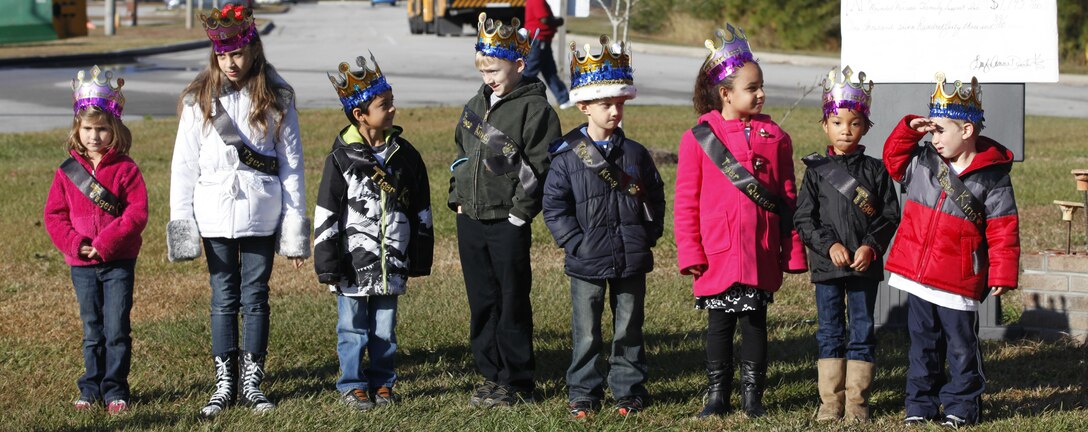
(237, 187)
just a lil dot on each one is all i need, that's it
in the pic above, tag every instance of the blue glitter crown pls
(962, 104)
(495, 39)
(356, 89)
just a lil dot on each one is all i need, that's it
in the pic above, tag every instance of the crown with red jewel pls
(725, 59)
(962, 104)
(602, 76)
(356, 89)
(98, 91)
(495, 39)
(846, 94)
(231, 28)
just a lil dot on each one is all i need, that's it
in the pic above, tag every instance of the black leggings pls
(719, 335)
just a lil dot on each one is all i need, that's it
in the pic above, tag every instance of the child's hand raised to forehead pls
(923, 124)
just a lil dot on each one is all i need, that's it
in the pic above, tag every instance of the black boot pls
(719, 377)
(249, 386)
(753, 379)
(226, 374)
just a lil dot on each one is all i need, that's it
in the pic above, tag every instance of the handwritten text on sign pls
(909, 41)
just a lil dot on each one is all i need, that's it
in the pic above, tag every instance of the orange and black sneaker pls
(384, 396)
(358, 399)
(581, 409)
(629, 405)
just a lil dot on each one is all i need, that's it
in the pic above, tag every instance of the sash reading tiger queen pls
(611, 174)
(843, 182)
(230, 135)
(509, 158)
(90, 187)
(740, 177)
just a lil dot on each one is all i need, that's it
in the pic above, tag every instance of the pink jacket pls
(71, 218)
(717, 225)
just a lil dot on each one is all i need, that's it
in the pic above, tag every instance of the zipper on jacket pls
(925, 246)
(381, 245)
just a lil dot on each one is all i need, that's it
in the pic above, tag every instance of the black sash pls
(372, 169)
(972, 209)
(509, 158)
(740, 177)
(843, 182)
(611, 174)
(230, 135)
(90, 187)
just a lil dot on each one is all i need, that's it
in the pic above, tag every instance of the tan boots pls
(844, 389)
(832, 379)
(859, 378)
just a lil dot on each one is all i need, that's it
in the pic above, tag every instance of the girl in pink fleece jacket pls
(96, 210)
(735, 191)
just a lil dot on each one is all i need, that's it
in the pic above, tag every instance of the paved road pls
(312, 39)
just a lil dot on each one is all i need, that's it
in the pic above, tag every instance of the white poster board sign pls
(575, 8)
(909, 41)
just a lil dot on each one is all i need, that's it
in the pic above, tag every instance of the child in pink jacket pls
(735, 191)
(96, 210)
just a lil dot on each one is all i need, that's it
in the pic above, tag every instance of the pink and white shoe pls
(117, 407)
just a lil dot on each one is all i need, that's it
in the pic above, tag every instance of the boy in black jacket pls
(847, 213)
(502, 158)
(604, 203)
(373, 231)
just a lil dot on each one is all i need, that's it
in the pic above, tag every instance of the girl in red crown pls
(734, 198)
(96, 210)
(237, 187)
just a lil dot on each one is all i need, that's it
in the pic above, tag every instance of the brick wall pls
(1055, 293)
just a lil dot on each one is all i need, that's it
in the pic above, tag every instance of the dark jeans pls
(721, 326)
(541, 61)
(104, 292)
(239, 270)
(627, 372)
(936, 334)
(850, 298)
(498, 278)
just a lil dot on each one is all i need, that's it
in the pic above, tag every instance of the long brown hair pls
(705, 97)
(208, 85)
(122, 137)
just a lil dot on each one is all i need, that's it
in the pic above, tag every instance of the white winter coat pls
(225, 197)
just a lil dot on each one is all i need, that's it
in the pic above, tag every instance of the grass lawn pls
(1032, 385)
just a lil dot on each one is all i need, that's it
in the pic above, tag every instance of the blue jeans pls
(366, 324)
(541, 61)
(239, 270)
(938, 334)
(104, 292)
(856, 341)
(628, 371)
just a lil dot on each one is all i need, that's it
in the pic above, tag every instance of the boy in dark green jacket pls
(496, 188)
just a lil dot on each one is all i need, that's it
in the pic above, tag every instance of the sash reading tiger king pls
(509, 158)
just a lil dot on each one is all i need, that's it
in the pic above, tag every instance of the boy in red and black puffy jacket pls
(959, 238)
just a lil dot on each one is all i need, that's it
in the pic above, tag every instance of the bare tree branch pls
(804, 90)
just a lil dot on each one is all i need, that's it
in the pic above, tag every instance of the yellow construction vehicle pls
(447, 17)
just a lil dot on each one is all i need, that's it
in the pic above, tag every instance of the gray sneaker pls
(358, 399)
(482, 392)
(385, 396)
(506, 396)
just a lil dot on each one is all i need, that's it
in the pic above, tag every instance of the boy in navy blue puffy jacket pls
(604, 203)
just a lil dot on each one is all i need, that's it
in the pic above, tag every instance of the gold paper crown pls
(612, 57)
(496, 39)
(962, 104)
(355, 89)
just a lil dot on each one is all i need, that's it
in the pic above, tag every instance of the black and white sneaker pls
(915, 421)
(506, 396)
(954, 422)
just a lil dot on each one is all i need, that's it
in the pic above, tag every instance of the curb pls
(122, 56)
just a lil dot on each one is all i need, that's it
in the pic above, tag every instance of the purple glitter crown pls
(846, 94)
(98, 92)
(230, 29)
(733, 53)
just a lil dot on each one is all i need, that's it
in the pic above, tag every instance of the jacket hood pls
(562, 145)
(848, 158)
(391, 135)
(989, 153)
(528, 86)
